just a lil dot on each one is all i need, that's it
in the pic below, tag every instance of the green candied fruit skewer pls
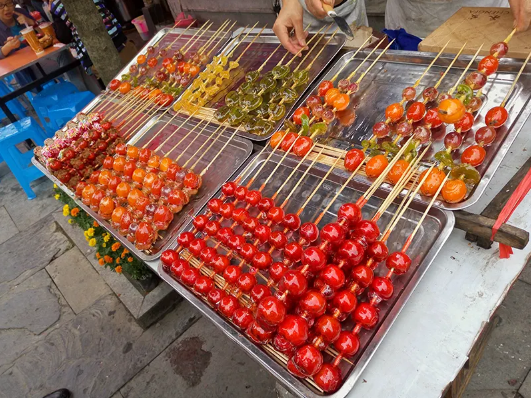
(236, 116)
(232, 99)
(280, 72)
(252, 76)
(276, 111)
(464, 93)
(267, 84)
(250, 102)
(289, 95)
(290, 126)
(445, 158)
(469, 173)
(318, 128)
(249, 123)
(262, 111)
(222, 113)
(300, 77)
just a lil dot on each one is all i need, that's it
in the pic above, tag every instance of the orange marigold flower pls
(96, 225)
(118, 269)
(115, 246)
(101, 262)
(108, 259)
(118, 260)
(130, 259)
(126, 251)
(98, 256)
(74, 212)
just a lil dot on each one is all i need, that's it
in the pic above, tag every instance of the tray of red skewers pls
(305, 287)
(413, 94)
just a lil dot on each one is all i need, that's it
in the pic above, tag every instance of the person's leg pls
(62, 393)
(75, 76)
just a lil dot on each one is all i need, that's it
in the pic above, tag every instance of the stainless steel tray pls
(233, 156)
(397, 70)
(434, 231)
(260, 50)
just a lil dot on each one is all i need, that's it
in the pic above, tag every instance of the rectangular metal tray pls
(434, 231)
(258, 53)
(397, 70)
(233, 156)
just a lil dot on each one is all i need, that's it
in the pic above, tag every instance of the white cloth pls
(351, 10)
(421, 17)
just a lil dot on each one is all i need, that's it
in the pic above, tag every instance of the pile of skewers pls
(73, 154)
(291, 286)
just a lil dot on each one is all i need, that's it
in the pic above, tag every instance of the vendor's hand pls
(24, 20)
(316, 7)
(290, 16)
(522, 14)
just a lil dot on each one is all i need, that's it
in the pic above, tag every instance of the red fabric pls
(514, 201)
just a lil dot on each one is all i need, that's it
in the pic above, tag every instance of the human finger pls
(282, 32)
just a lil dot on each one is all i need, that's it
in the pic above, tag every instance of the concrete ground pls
(62, 326)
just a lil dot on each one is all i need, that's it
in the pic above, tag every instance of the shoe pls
(62, 393)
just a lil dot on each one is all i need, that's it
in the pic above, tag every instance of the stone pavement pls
(62, 326)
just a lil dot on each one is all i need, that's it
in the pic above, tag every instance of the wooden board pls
(476, 26)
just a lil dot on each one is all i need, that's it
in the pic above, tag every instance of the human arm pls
(23, 19)
(522, 13)
(290, 17)
(12, 43)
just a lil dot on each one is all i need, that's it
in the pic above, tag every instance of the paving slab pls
(202, 363)
(30, 251)
(525, 276)
(27, 312)
(506, 360)
(8, 228)
(525, 388)
(75, 233)
(94, 354)
(77, 280)
(26, 212)
(490, 394)
(9, 186)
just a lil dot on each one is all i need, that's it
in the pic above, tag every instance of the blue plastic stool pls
(14, 105)
(50, 97)
(69, 107)
(20, 163)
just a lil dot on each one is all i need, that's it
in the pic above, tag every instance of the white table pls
(430, 340)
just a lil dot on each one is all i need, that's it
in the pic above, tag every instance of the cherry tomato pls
(394, 112)
(324, 86)
(465, 123)
(432, 182)
(474, 155)
(416, 111)
(125, 87)
(288, 140)
(171, 68)
(114, 84)
(141, 59)
(166, 62)
(432, 118)
(488, 65)
(277, 138)
(298, 113)
(152, 62)
(353, 159)
(331, 95)
(397, 171)
(341, 102)
(165, 100)
(302, 146)
(186, 68)
(154, 93)
(454, 191)
(451, 110)
(496, 117)
(375, 166)
(194, 70)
